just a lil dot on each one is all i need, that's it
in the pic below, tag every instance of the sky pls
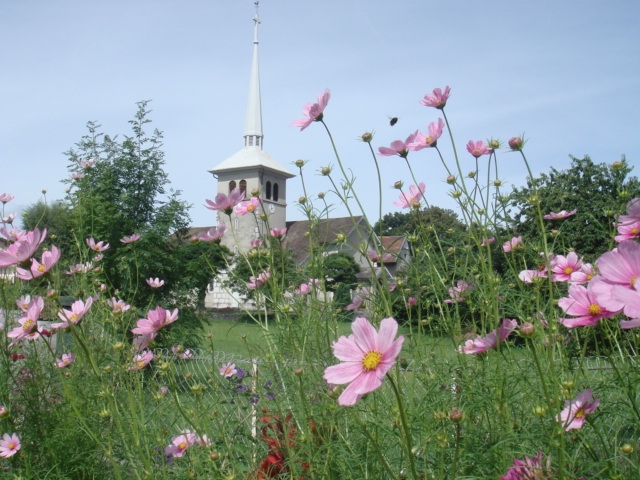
(566, 74)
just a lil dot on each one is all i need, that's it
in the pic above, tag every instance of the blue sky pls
(566, 73)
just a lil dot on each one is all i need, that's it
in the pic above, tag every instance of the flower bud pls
(321, 195)
(516, 143)
(164, 366)
(4, 411)
(615, 166)
(341, 237)
(471, 174)
(44, 192)
(568, 384)
(497, 182)
(104, 413)
(398, 185)
(539, 411)
(527, 329)
(456, 194)
(302, 200)
(456, 415)
(627, 448)
(255, 192)
(118, 346)
(298, 371)
(325, 171)
(493, 144)
(299, 163)
(451, 179)
(214, 456)
(367, 137)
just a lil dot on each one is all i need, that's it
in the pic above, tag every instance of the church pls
(252, 169)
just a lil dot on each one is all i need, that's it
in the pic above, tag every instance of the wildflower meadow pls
(505, 346)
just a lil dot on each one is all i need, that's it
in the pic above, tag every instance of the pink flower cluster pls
(457, 293)
(491, 340)
(259, 281)
(147, 328)
(23, 246)
(180, 443)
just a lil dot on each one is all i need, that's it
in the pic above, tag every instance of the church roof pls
(251, 157)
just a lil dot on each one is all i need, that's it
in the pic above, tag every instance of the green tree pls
(340, 274)
(56, 218)
(597, 191)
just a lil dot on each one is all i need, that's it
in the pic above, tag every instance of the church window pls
(236, 224)
(275, 192)
(243, 185)
(232, 185)
(268, 192)
(250, 141)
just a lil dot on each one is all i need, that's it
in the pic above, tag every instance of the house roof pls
(393, 244)
(297, 238)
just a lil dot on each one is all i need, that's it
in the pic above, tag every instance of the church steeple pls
(253, 120)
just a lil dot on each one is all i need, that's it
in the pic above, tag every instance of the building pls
(253, 171)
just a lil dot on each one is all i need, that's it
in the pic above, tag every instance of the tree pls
(441, 220)
(339, 271)
(597, 191)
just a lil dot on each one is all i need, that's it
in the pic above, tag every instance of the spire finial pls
(256, 19)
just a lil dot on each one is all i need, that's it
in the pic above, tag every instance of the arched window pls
(268, 192)
(275, 192)
(243, 185)
(232, 185)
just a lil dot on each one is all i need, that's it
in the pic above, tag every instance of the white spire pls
(253, 121)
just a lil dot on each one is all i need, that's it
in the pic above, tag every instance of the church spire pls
(253, 120)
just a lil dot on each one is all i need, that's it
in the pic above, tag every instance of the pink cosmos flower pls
(249, 206)
(562, 267)
(487, 241)
(479, 148)
(23, 302)
(259, 281)
(437, 99)
(156, 319)
(9, 445)
(131, 239)
(6, 197)
(141, 360)
(304, 289)
(88, 163)
(73, 316)
(278, 232)
(491, 340)
(584, 275)
(256, 243)
(621, 266)
(398, 147)
(630, 302)
(228, 370)
(411, 301)
(560, 215)
(214, 234)
(510, 245)
(28, 322)
(582, 304)
(516, 143)
(633, 212)
(118, 306)
(9, 218)
(530, 468)
(179, 444)
(430, 139)
(629, 231)
(49, 259)
(15, 235)
(77, 176)
(155, 282)
(374, 257)
(575, 411)
(457, 293)
(366, 356)
(67, 359)
(356, 303)
(22, 249)
(226, 203)
(412, 198)
(313, 111)
(97, 247)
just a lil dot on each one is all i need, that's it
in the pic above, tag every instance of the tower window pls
(268, 190)
(275, 192)
(243, 185)
(232, 185)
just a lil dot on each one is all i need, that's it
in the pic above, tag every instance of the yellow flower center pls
(579, 413)
(635, 231)
(594, 309)
(371, 360)
(251, 208)
(182, 445)
(28, 325)
(41, 268)
(568, 271)
(73, 317)
(633, 281)
(428, 140)
(12, 445)
(140, 363)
